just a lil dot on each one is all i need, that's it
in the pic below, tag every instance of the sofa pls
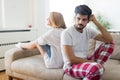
(29, 65)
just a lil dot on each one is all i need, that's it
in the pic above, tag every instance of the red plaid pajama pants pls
(92, 70)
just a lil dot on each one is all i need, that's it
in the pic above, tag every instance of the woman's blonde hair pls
(57, 19)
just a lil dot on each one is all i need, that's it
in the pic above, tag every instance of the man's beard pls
(80, 27)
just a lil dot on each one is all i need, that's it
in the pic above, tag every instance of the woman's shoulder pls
(57, 30)
(69, 30)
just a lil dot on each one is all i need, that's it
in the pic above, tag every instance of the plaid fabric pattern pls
(92, 70)
(102, 54)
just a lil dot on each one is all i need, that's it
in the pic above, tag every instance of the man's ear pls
(89, 17)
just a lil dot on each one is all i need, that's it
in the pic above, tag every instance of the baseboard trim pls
(2, 70)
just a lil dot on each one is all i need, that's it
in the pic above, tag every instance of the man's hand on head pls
(92, 18)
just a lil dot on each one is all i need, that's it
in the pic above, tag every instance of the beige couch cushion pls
(116, 52)
(112, 70)
(66, 77)
(34, 66)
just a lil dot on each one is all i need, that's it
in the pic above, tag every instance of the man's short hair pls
(83, 10)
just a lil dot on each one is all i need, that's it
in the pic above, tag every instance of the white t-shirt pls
(78, 41)
(52, 38)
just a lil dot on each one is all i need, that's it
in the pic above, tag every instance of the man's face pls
(81, 21)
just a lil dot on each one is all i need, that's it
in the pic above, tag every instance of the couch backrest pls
(116, 38)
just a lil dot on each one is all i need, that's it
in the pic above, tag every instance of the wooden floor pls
(3, 76)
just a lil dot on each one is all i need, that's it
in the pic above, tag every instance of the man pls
(74, 45)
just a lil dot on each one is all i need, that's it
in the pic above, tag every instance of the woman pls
(49, 43)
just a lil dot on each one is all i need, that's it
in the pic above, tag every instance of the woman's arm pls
(30, 45)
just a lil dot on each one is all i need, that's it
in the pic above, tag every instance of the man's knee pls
(96, 68)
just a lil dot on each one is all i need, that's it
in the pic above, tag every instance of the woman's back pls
(56, 60)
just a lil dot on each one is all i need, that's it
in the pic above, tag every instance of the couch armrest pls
(16, 53)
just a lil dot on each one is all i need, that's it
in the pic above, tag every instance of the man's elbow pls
(71, 61)
(110, 40)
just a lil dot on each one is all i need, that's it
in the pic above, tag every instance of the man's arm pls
(105, 35)
(68, 51)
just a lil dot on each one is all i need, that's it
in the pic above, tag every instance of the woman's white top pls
(52, 38)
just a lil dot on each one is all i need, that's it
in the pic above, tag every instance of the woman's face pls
(48, 21)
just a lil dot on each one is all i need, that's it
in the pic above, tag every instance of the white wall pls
(109, 9)
(0, 14)
(19, 14)
(66, 7)
(41, 10)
